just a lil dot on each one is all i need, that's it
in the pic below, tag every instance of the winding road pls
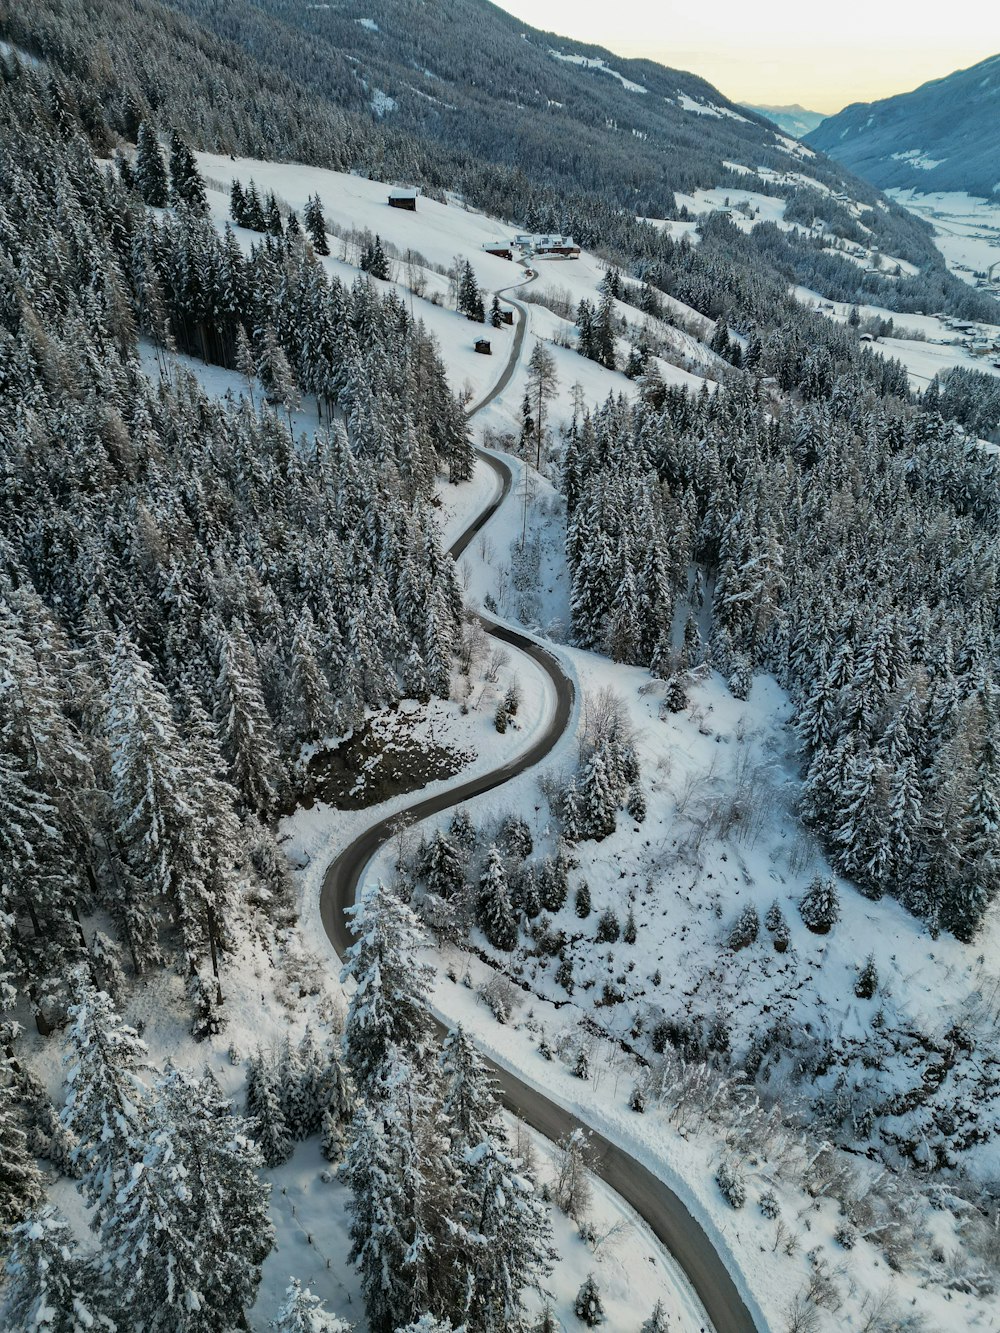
(649, 1197)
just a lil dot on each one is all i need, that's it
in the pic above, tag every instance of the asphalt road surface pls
(656, 1204)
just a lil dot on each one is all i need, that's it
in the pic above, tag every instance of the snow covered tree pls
(657, 1321)
(316, 224)
(270, 1128)
(402, 1200)
(494, 911)
(309, 708)
(107, 1108)
(244, 724)
(745, 928)
(227, 1213)
(186, 184)
(470, 1103)
(150, 172)
(21, 1186)
(373, 260)
(731, 1183)
(867, 982)
(582, 900)
(469, 298)
(542, 386)
(443, 869)
(597, 804)
(608, 927)
(588, 1306)
(303, 1312)
(507, 1245)
(572, 1191)
(819, 906)
(388, 1007)
(50, 1287)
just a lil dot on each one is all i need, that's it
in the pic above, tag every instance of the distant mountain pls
(794, 120)
(942, 136)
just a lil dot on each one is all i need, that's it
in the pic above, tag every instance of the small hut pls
(400, 198)
(482, 346)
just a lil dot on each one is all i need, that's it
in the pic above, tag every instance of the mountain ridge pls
(935, 137)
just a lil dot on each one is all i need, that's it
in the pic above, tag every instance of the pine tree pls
(820, 906)
(316, 225)
(244, 724)
(495, 912)
(186, 184)
(107, 1110)
(867, 982)
(745, 929)
(309, 708)
(270, 1128)
(443, 870)
(237, 204)
(581, 901)
(227, 1214)
(150, 173)
(388, 1007)
(469, 1091)
(657, 1321)
(49, 1285)
(21, 1186)
(397, 1168)
(508, 1238)
(303, 1312)
(588, 1306)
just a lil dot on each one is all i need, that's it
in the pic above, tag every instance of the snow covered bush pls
(731, 1183)
(820, 906)
(768, 1205)
(582, 900)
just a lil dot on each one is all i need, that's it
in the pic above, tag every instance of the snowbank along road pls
(651, 1199)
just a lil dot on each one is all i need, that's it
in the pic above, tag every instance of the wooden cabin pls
(482, 345)
(506, 317)
(400, 198)
(502, 249)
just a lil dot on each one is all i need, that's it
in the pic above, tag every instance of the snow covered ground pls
(684, 879)
(966, 230)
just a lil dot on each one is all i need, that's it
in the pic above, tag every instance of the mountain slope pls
(794, 120)
(546, 133)
(941, 136)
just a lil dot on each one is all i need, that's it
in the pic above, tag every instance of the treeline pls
(850, 548)
(969, 396)
(188, 595)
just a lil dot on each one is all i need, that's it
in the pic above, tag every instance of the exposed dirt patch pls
(390, 755)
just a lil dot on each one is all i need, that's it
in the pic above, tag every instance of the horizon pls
(768, 55)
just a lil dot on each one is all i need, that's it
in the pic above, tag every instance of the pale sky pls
(822, 54)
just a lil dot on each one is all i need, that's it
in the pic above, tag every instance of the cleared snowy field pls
(936, 348)
(966, 229)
